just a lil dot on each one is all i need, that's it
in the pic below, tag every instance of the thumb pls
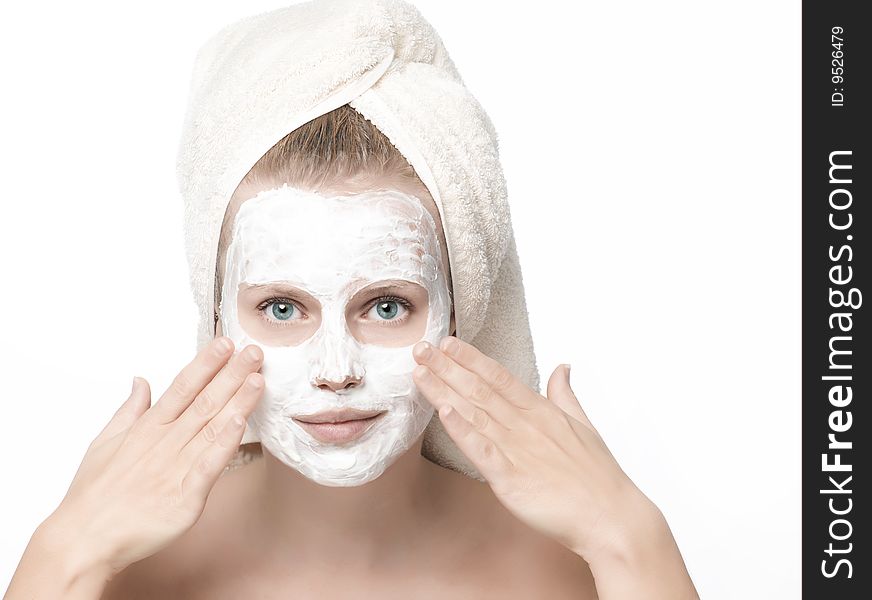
(129, 412)
(560, 393)
(108, 440)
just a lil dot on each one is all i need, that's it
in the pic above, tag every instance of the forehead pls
(248, 190)
(286, 234)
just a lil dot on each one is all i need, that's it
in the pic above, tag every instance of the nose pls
(347, 382)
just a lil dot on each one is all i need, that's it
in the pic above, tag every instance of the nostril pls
(335, 386)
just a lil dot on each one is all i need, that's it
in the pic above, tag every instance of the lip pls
(338, 415)
(339, 426)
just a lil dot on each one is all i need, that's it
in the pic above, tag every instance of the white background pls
(652, 151)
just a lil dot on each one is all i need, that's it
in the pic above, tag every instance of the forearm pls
(643, 563)
(53, 568)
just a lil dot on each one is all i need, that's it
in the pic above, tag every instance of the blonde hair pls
(339, 148)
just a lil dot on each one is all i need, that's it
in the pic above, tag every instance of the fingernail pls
(135, 383)
(449, 345)
(254, 382)
(252, 354)
(238, 421)
(423, 349)
(566, 371)
(222, 346)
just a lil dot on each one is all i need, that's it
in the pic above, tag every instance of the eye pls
(279, 310)
(389, 308)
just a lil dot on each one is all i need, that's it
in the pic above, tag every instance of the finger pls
(130, 410)
(496, 375)
(242, 403)
(191, 380)
(208, 466)
(487, 457)
(441, 396)
(113, 434)
(561, 394)
(215, 396)
(469, 386)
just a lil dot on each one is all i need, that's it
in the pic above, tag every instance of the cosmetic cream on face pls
(331, 247)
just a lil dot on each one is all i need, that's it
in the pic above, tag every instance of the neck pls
(379, 521)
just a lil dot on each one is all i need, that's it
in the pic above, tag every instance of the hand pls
(542, 457)
(145, 479)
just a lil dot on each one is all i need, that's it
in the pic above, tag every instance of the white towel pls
(260, 78)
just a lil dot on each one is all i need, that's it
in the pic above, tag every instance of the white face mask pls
(331, 247)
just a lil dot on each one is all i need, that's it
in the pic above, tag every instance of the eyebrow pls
(285, 288)
(384, 288)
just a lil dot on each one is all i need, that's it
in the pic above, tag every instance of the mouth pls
(338, 426)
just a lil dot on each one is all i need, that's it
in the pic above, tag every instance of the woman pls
(363, 333)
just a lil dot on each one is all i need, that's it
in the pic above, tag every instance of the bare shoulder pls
(195, 563)
(507, 558)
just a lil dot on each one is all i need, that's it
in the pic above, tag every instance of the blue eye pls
(389, 309)
(280, 310)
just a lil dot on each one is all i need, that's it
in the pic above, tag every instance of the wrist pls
(75, 563)
(52, 567)
(629, 537)
(641, 559)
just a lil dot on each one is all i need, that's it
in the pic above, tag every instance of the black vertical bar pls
(836, 370)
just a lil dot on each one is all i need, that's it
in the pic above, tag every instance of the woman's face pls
(336, 289)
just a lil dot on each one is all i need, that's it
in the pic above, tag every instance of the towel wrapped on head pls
(264, 76)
